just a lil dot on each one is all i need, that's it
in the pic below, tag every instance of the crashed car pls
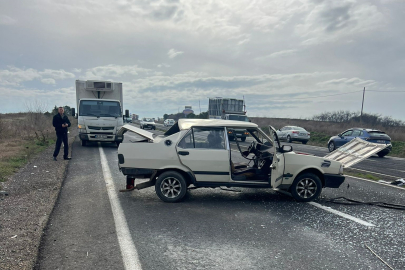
(198, 152)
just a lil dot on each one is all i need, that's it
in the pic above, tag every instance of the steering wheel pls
(251, 147)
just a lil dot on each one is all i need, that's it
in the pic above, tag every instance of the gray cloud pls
(270, 52)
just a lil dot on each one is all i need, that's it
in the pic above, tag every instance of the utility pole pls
(362, 103)
(199, 105)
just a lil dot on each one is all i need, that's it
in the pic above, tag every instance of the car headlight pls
(82, 128)
(341, 169)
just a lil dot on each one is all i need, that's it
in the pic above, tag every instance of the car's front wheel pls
(306, 187)
(331, 146)
(288, 138)
(171, 186)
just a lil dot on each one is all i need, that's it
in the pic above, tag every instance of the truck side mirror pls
(73, 112)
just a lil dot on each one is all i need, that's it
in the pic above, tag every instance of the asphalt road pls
(215, 228)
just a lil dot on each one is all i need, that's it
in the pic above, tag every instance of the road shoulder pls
(32, 193)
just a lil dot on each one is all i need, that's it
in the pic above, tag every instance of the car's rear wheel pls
(381, 155)
(288, 138)
(306, 187)
(304, 142)
(243, 139)
(331, 146)
(171, 186)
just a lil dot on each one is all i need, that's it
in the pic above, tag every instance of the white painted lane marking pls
(375, 173)
(128, 250)
(333, 211)
(372, 181)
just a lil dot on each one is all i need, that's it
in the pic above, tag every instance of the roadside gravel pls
(24, 213)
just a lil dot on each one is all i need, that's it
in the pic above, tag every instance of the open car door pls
(277, 167)
(355, 151)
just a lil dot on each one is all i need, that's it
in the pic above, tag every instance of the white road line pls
(372, 181)
(333, 211)
(375, 173)
(128, 250)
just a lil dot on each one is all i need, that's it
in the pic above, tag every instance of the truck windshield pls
(239, 118)
(100, 108)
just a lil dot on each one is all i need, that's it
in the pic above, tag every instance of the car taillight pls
(309, 133)
(296, 132)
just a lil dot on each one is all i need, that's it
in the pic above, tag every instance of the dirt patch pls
(32, 193)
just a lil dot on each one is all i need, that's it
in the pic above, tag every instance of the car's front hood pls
(355, 151)
(141, 132)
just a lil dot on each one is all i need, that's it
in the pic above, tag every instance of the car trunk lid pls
(355, 151)
(143, 133)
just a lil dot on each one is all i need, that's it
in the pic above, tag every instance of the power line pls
(385, 91)
(318, 96)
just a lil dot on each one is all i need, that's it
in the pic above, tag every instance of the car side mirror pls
(340, 135)
(286, 148)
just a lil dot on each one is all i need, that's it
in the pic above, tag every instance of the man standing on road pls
(61, 123)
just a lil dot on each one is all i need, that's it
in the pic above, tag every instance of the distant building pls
(187, 110)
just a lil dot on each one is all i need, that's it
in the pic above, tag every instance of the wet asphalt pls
(216, 228)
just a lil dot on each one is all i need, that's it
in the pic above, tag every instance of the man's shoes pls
(67, 158)
(54, 158)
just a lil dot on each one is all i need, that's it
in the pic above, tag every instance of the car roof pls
(187, 123)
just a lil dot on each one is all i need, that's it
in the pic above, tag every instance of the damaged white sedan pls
(198, 152)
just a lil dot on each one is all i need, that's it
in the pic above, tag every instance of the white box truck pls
(229, 109)
(99, 111)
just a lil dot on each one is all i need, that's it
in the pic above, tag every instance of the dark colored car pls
(371, 135)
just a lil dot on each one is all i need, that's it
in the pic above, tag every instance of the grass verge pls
(27, 149)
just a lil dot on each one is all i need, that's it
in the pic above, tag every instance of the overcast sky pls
(287, 58)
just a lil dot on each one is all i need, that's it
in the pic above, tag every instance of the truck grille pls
(101, 128)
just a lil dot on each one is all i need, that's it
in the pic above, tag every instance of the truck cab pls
(99, 113)
(237, 133)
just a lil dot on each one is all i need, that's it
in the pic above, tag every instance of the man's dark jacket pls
(58, 121)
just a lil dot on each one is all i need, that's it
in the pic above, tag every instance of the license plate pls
(380, 141)
(101, 136)
(303, 134)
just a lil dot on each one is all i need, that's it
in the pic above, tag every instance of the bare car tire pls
(331, 146)
(306, 187)
(171, 187)
(288, 139)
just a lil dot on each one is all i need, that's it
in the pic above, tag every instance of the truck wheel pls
(306, 187)
(117, 143)
(288, 138)
(84, 143)
(243, 139)
(171, 186)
